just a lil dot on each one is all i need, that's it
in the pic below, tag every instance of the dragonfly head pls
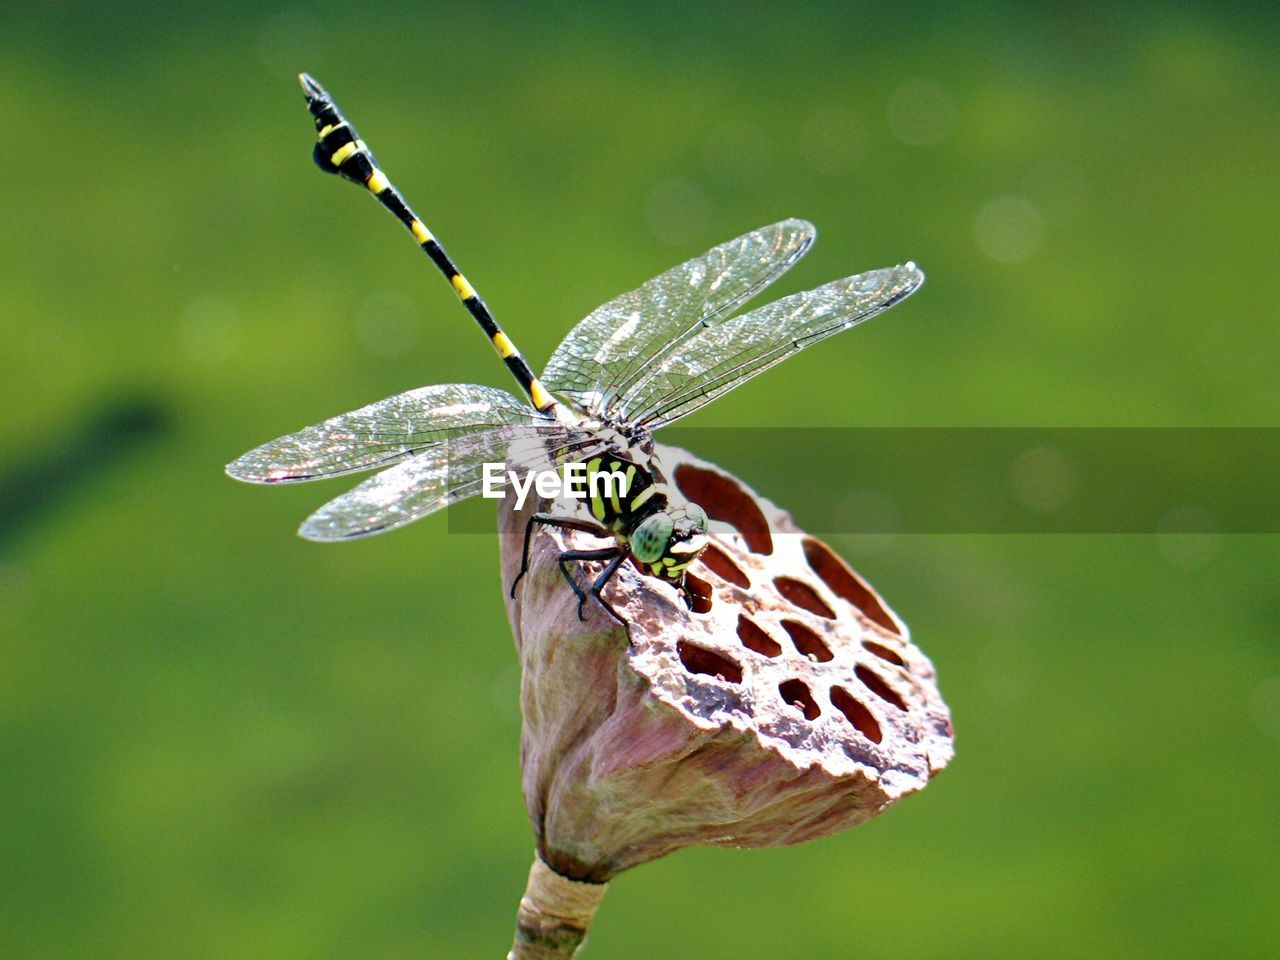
(669, 541)
(689, 532)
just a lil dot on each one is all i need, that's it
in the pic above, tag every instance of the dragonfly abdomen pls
(618, 488)
(340, 150)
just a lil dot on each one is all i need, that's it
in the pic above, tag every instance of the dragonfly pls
(638, 363)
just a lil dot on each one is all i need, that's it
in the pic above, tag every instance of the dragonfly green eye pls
(696, 514)
(649, 540)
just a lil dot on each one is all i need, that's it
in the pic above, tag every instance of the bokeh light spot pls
(1007, 229)
(1042, 479)
(1187, 61)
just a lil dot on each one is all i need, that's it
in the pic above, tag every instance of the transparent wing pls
(720, 358)
(618, 342)
(442, 474)
(381, 433)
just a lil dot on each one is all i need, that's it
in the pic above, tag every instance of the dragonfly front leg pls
(613, 554)
(599, 585)
(551, 520)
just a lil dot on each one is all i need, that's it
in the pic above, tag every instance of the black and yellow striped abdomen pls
(626, 489)
(339, 150)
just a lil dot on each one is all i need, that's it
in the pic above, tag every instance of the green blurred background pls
(219, 741)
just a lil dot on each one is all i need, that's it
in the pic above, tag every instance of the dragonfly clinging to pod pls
(632, 366)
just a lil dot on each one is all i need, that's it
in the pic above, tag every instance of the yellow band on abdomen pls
(465, 290)
(345, 152)
(420, 232)
(541, 399)
(505, 347)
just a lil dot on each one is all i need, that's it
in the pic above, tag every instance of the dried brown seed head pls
(788, 705)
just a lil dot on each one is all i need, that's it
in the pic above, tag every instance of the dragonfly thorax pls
(658, 527)
(621, 434)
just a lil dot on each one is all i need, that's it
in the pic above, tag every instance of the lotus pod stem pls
(554, 914)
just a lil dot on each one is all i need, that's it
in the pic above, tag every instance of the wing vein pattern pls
(383, 433)
(612, 351)
(442, 475)
(719, 358)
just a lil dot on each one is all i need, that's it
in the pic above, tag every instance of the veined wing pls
(617, 343)
(720, 358)
(442, 475)
(382, 433)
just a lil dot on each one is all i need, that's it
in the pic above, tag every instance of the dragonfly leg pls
(551, 520)
(599, 585)
(690, 596)
(604, 553)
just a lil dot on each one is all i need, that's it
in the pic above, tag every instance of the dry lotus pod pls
(789, 705)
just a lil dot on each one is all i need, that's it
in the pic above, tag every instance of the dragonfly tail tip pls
(311, 87)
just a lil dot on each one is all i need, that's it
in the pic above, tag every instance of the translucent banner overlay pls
(996, 480)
